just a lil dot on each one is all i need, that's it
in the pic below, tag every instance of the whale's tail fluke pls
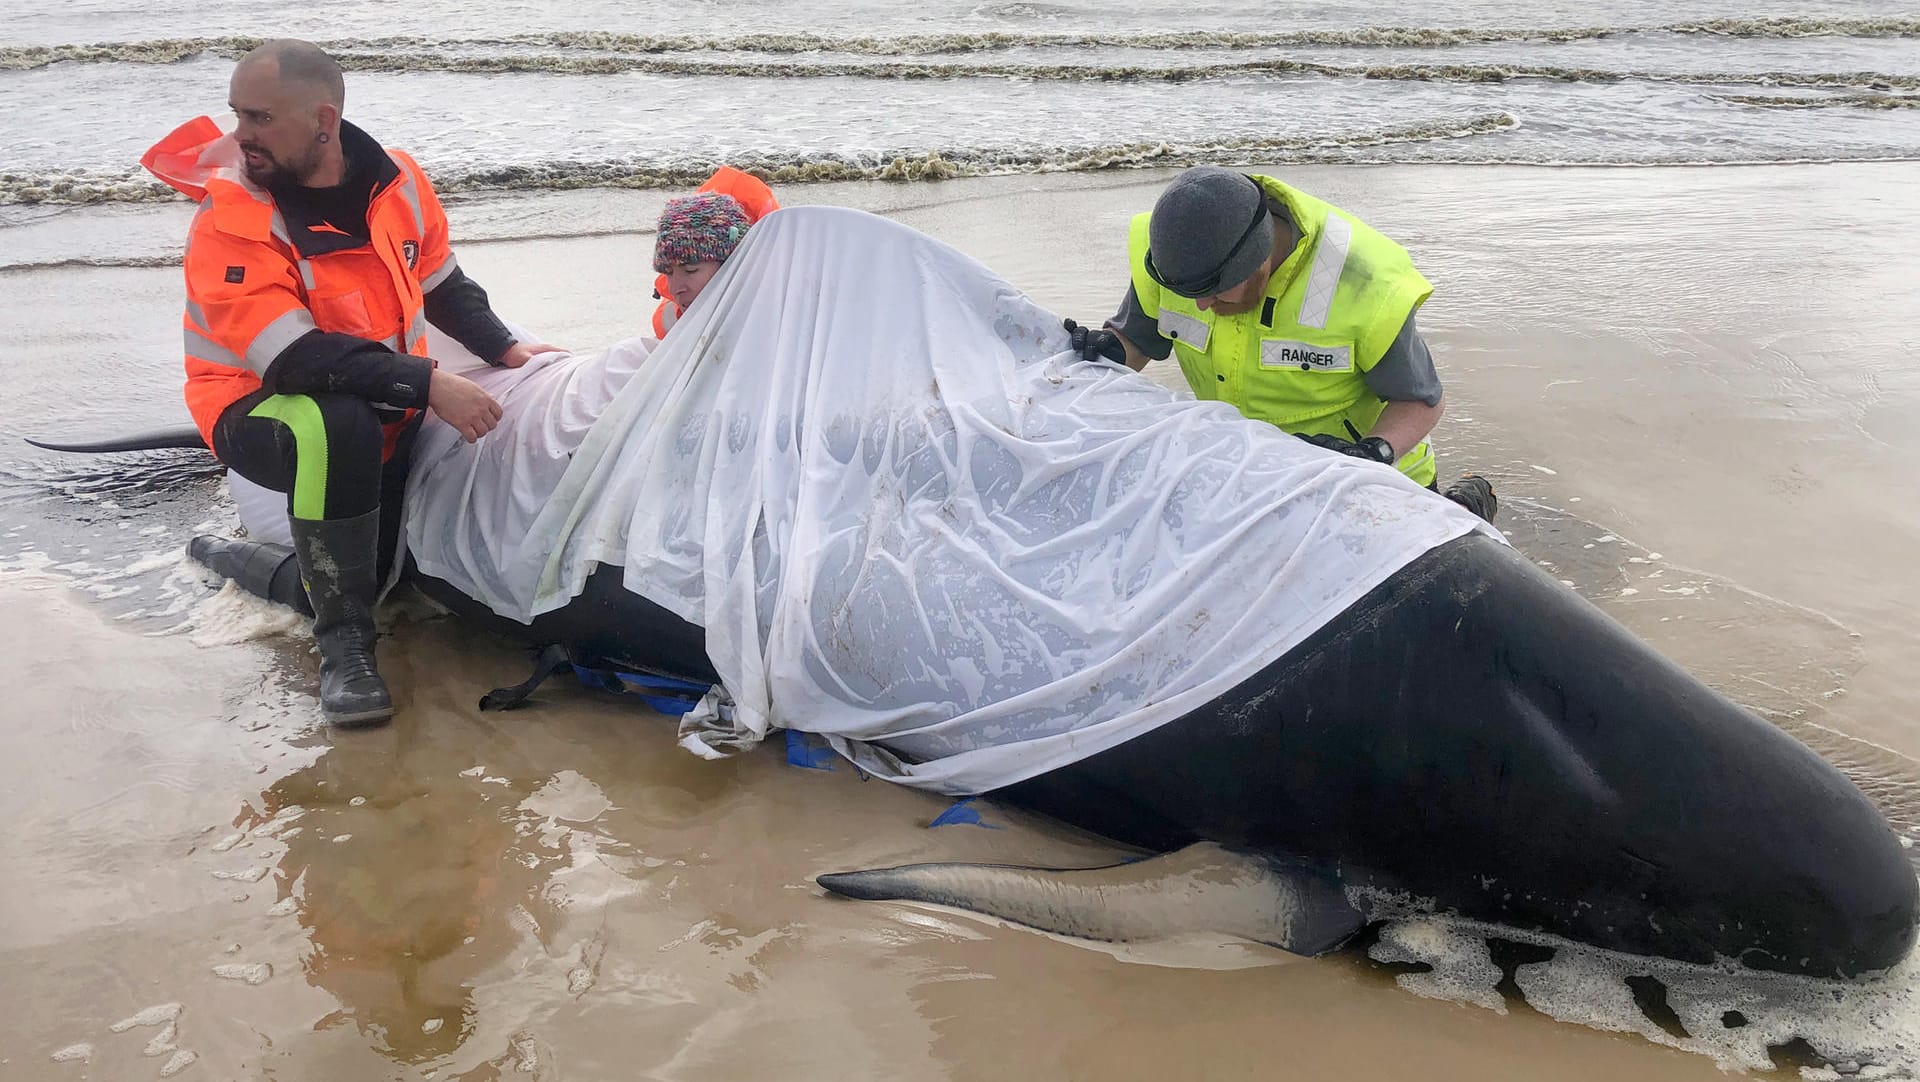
(161, 439)
(1200, 888)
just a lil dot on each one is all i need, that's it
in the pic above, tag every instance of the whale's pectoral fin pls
(1203, 887)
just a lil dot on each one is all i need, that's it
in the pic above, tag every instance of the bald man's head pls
(303, 68)
(288, 95)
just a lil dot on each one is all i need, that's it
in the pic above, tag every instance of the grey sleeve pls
(1143, 330)
(1405, 372)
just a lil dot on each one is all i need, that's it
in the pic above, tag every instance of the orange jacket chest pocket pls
(342, 313)
(353, 293)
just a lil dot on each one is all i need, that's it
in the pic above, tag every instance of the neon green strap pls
(302, 417)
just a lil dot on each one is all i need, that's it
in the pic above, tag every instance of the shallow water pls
(1689, 384)
(1676, 415)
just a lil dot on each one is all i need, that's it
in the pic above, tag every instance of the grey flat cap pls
(1201, 237)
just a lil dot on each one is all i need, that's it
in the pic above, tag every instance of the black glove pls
(1095, 343)
(1332, 443)
(1371, 448)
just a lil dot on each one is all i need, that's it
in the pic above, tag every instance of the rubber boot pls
(339, 559)
(261, 568)
(1475, 493)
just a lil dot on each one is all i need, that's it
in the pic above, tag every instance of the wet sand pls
(564, 894)
(1686, 383)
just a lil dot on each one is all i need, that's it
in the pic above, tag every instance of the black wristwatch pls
(1379, 449)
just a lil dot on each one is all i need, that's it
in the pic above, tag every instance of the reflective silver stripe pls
(392, 342)
(198, 316)
(276, 337)
(1307, 357)
(416, 330)
(279, 228)
(413, 195)
(432, 281)
(1329, 258)
(199, 345)
(1185, 329)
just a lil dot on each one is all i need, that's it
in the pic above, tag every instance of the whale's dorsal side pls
(1203, 887)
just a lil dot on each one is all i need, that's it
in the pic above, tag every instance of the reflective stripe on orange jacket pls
(250, 291)
(754, 197)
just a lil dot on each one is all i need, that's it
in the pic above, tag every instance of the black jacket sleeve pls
(321, 362)
(459, 307)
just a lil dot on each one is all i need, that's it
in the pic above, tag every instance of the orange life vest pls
(250, 293)
(754, 197)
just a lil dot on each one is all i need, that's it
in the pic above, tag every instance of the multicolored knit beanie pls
(698, 227)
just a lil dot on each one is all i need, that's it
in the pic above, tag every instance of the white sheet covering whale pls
(902, 513)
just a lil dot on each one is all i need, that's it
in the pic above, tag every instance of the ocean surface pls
(514, 97)
(503, 100)
(1673, 249)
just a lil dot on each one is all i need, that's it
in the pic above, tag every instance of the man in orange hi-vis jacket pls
(312, 269)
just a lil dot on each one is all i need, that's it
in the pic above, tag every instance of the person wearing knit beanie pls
(697, 233)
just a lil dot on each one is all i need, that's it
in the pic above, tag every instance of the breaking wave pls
(549, 64)
(1829, 101)
(132, 187)
(174, 50)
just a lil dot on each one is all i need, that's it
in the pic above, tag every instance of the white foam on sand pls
(1868, 1027)
(246, 973)
(232, 616)
(158, 1015)
(170, 586)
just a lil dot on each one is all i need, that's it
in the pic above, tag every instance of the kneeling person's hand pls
(463, 404)
(1095, 343)
(1327, 441)
(520, 353)
(1371, 448)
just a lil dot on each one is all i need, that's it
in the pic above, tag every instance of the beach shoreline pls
(1687, 394)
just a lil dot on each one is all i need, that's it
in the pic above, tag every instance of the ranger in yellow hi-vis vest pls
(1291, 309)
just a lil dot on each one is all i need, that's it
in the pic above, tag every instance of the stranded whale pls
(863, 491)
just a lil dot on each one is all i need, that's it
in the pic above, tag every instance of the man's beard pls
(275, 172)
